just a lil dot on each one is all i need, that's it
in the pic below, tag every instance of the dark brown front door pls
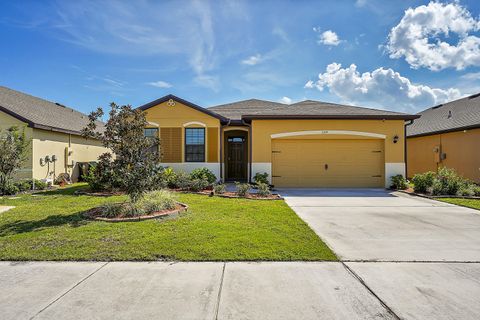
(236, 158)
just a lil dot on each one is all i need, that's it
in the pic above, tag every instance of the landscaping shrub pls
(203, 174)
(447, 182)
(260, 178)
(23, 185)
(242, 189)
(183, 180)
(39, 184)
(219, 188)
(423, 182)
(467, 190)
(199, 184)
(14, 146)
(151, 202)
(170, 177)
(8, 188)
(399, 182)
(263, 189)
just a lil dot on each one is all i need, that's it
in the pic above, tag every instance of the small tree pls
(132, 160)
(14, 152)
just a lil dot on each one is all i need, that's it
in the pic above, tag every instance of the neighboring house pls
(54, 131)
(305, 144)
(447, 135)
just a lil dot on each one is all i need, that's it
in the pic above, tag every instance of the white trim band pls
(193, 123)
(312, 132)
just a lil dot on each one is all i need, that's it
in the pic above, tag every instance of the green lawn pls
(471, 203)
(51, 227)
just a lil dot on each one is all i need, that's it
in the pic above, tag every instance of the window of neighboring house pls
(151, 133)
(194, 145)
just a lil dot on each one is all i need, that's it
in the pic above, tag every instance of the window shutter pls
(212, 144)
(171, 144)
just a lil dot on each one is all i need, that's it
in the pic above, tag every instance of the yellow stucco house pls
(305, 144)
(447, 135)
(54, 131)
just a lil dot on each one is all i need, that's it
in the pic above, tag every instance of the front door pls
(236, 158)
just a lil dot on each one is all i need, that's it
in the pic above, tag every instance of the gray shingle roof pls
(452, 116)
(42, 114)
(254, 108)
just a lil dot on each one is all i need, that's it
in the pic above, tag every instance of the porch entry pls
(236, 155)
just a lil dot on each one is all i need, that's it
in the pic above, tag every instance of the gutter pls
(331, 116)
(405, 150)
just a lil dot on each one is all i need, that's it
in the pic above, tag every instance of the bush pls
(242, 189)
(170, 177)
(448, 182)
(8, 188)
(219, 188)
(399, 182)
(203, 174)
(423, 182)
(476, 190)
(263, 189)
(197, 185)
(261, 178)
(39, 184)
(183, 180)
(467, 190)
(151, 202)
(23, 185)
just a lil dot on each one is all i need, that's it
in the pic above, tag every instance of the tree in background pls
(132, 164)
(14, 152)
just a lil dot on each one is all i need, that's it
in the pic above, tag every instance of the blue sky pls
(397, 55)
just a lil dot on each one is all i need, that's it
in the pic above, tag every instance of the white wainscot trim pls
(153, 124)
(190, 166)
(261, 167)
(314, 132)
(194, 123)
(392, 169)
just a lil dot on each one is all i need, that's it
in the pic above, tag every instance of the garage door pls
(328, 163)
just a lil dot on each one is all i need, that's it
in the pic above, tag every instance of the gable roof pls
(456, 115)
(182, 101)
(308, 109)
(42, 114)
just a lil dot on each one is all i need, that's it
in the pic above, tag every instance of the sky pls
(400, 55)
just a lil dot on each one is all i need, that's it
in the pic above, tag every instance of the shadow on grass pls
(67, 191)
(73, 220)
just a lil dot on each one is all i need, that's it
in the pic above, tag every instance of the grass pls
(51, 227)
(470, 203)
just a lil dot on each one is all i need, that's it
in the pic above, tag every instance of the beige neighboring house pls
(54, 130)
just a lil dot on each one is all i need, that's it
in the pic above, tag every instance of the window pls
(194, 145)
(151, 133)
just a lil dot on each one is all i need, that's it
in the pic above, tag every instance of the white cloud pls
(286, 100)
(208, 81)
(382, 88)
(360, 3)
(328, 38)
(420, 37)
(160, 84)
(253, 60)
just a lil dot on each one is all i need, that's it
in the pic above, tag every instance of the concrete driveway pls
(376, 225)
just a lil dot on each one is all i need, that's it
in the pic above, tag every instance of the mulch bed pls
(95, 214)
(98, 193)
(423, 195)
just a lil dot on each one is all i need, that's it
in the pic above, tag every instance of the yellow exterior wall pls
(177, 116)
(54, 143)
(263, 129)
(7, 121)
(462, 150)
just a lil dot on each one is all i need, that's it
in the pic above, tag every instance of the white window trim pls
(329, 132)
(154, 124)
(193, 123)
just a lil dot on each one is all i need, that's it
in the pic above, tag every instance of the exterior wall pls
(262, 131)
(182, 116)
(461, 150)
(54, 143)
(7, 121)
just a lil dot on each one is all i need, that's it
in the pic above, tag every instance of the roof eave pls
(185, 102)
(431, 133)
(332, 117)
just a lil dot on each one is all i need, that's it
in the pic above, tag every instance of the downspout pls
(221, 148)
(407, 123)
(250, 139)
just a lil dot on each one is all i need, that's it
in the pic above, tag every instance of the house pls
(305, 144)
(447, 135)
(54, 131)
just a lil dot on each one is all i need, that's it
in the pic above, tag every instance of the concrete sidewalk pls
(238, 290)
